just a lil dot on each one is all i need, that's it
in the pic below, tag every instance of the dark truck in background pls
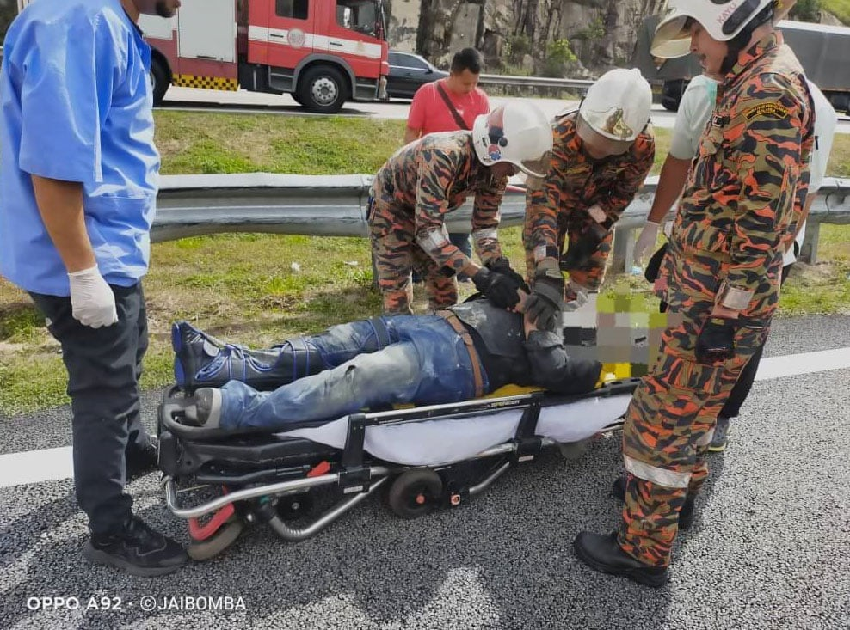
(824, 52)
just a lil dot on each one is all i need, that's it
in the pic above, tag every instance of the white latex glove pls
(580, 292)
(92, 300)
(646, 240)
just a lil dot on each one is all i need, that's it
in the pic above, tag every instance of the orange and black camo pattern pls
(743, 198)
(557, 204)
(411, 194)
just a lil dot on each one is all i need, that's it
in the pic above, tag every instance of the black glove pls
(654, 264)
(503, 266)
(545, 305)
(716, 340)
(579, 253)
(499, 288)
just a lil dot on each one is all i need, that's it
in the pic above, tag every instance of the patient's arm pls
(551, 366)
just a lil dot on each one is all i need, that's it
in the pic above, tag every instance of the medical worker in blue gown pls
(78, 183)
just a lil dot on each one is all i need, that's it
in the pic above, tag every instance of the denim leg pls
(392, 375)
(342, 343)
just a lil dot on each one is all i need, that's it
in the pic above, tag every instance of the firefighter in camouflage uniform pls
(721, 273)
(432, 176)
(601, 156)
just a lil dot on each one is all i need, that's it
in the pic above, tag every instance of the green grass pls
(257, 289)
(839, 8)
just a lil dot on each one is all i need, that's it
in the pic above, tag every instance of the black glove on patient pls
(500, 289)
(545, 305)
(503, 266)
(716, 340)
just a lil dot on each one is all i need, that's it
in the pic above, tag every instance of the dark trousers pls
(104, 365)
(748, 375)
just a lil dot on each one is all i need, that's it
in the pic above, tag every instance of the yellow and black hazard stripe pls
(207, 83)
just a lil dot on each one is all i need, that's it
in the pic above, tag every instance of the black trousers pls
(748, 375)
(104, 365)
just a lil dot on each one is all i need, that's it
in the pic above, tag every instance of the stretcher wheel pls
(218, 542)
(415, 493)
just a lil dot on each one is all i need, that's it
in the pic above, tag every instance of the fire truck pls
(322, 52)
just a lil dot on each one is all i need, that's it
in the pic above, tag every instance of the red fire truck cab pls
(323, 52)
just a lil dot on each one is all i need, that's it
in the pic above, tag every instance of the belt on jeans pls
(460, 329)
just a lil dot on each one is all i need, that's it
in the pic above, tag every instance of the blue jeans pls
(426, 362)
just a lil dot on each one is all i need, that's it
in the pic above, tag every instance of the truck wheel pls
(322, 89)
(159, 77)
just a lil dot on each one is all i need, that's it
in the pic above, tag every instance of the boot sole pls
(95, 556)
(633, 574)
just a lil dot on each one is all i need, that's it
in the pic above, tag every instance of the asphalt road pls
(771, 548)
(182, 99)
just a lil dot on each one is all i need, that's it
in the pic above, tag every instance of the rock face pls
(602, 33)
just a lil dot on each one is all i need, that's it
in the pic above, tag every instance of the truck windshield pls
(361, 16)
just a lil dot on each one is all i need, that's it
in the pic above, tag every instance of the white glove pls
(92, 299)
(647, 239)
(581, 297)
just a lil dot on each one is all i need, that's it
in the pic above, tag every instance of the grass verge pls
(258, 289)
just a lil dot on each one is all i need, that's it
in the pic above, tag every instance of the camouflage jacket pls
(746, 187)
(575, 182)
(434, 175)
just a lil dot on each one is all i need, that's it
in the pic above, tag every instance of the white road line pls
(55, 464)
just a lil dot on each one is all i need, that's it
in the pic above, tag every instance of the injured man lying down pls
(462, 353)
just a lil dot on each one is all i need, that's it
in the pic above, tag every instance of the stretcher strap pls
(461, 330)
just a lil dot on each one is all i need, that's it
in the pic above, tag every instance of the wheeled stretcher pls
(302, 479)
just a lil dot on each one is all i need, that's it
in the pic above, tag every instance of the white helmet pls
(722, 19)
(618, 105)
(517, 132)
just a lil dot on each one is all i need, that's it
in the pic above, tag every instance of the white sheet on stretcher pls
(448, 440)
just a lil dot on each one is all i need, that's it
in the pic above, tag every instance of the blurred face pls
(598, 146)
(710, 52)
(463, 82)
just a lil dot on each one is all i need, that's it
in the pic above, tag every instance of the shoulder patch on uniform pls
(766, 109)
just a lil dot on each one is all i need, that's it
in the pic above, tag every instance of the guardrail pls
(545, 82)
(335, 205)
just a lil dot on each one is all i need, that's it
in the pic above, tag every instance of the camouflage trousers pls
(393, 234)
(572, 225)
(669, 425)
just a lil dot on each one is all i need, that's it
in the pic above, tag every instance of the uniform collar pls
(749, 56)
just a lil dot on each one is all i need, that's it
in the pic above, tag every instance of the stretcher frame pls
(353, 473)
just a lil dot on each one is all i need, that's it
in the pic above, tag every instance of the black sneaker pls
(686, 515)
(140, 460)
(138, 549)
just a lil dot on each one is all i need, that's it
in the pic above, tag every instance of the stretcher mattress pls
(452, 439)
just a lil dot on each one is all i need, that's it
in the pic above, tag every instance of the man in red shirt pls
(450, 104)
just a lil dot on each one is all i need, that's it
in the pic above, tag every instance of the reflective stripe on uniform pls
(480, 235)
(661, 476)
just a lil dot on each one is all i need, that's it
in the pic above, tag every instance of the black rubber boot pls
(603, 553)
